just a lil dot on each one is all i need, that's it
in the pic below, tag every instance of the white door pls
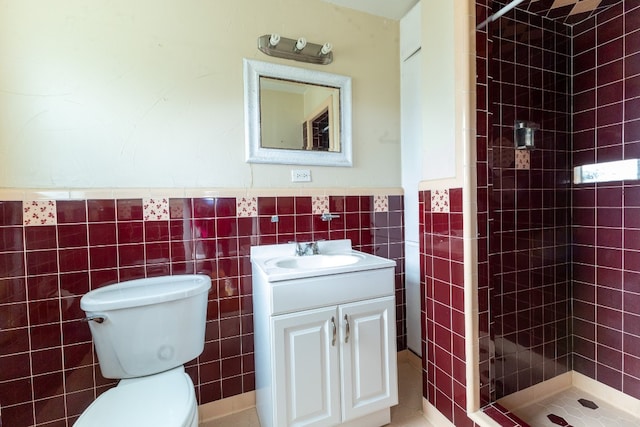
(307, 380)
(412, 167)
(368, 357)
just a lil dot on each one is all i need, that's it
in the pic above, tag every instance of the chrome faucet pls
(309, 248)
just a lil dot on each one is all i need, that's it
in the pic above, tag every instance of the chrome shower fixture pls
(297, 49)
(523, 135)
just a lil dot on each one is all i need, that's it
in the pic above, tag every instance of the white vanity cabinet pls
(306, 373)
(325, 348)
(336, 364)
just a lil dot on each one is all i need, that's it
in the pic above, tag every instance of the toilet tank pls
(150, 325)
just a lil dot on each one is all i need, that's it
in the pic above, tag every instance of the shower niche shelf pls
(620, 170)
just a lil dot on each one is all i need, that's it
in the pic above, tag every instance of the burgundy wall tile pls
(101, 210)
(128, 255)
(156, 253)
(267, 205)
(12, 239)
(102, 257)
(605, 266)
(10, 213)
(156, 231)
(15, 366)
(13, 316)
(41, 262)
(71, 211)
(100, 242)
(303, 205)
(443, 297)
(128, 210)
(13, 290)
(611, 301)
(204, 208)
(72, 235)
(43, 237)
(225, 207)
(516, 246)
(50, 409)
(11, 264)
(103, 233)
(130, 232)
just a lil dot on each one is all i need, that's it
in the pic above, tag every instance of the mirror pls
(296, 116)
(299, 116)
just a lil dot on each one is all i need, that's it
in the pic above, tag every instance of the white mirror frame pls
(255, 153)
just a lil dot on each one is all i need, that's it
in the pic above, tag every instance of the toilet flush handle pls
(97, 319)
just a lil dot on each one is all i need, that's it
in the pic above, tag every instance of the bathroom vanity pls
(325, 338)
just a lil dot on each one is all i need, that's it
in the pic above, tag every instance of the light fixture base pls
(286, 48)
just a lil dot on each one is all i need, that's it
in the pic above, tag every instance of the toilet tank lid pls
(140, 292)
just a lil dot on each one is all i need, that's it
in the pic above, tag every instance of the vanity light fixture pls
(296, 49)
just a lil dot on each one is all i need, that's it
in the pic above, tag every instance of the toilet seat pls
(165, 399)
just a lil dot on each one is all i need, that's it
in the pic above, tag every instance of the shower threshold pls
(573, 399)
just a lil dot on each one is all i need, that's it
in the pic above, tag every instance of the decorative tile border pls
(381, 203)
(440, 200)
(155, 209)
(39, 212)
(247, 207)
(320, 204)
(164, 208)
(523, 159)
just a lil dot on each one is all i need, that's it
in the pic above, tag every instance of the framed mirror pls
(296, 116)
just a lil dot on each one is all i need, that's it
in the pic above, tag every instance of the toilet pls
(144, 331)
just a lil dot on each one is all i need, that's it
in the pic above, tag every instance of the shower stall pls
(559, 259)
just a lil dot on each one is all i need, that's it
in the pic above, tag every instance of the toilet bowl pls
(144, 331)
(166, 399)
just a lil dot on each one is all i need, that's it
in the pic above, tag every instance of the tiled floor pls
(408, 413)
(565, 409)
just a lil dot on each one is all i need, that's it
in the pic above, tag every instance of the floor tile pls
(408, 412)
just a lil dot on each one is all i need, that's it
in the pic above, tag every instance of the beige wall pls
(150, 93)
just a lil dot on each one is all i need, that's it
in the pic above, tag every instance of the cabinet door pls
(307, 384)
(368, 358)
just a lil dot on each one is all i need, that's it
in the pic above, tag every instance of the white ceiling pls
(392, 9)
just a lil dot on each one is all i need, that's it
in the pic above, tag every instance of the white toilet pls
(144, 331)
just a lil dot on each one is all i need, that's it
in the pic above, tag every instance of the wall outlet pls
(300, 175)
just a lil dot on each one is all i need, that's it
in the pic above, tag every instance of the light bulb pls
(274, 39)
(301, 43)
(326, 48)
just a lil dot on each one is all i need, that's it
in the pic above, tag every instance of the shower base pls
(575, 400)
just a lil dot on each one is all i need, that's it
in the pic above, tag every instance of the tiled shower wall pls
(604, 227)
(444, 383)
(529, 198)
(606, 217)
(53, 252)
(484, 49)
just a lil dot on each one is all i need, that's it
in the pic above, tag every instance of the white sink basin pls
(278, 262)
(314, 261)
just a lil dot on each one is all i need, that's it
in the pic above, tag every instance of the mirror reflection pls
(299, 116)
